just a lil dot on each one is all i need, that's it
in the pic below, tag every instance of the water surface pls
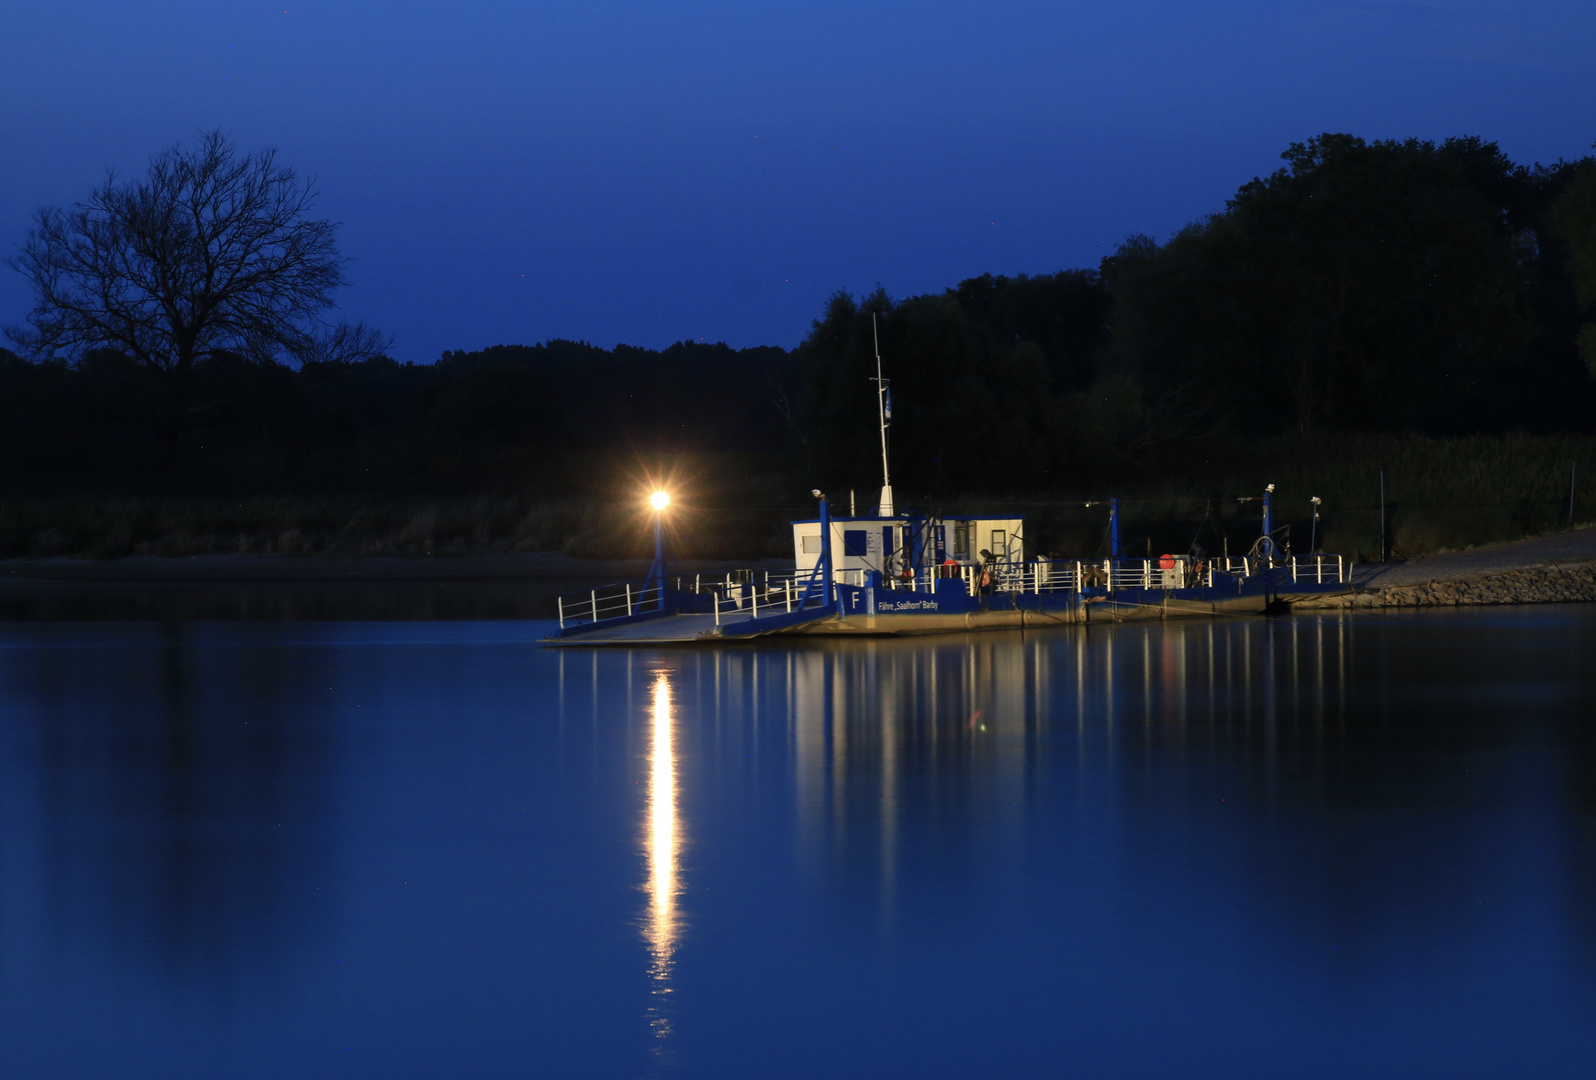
(1317, 846)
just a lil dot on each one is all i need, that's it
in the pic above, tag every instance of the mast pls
(884, 411)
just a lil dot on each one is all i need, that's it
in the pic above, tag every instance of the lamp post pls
(825, 546)
(1268, 525)
(659, 500)
(1313, 530)
(1113, 527)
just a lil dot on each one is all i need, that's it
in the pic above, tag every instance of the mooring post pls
(1573, 465)
(1382, 515)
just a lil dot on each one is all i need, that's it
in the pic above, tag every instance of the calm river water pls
(1307, 847)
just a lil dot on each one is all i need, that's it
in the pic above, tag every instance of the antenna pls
(884, 410)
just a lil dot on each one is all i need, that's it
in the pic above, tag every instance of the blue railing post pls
(656, 573)
(825, 553)
(659, 544)
(1268, 528)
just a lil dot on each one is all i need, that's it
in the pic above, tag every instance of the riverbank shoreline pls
(1548, 569)
(1542, 570)
(1556, 584)
(1575, 547)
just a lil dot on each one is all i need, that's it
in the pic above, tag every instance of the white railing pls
(1129, 574)
(608, 602)
(764, 580)
(769, 591)
(1181, 572)
(1038, 576)
(784, 592)
(1319, 569)
(702, 584)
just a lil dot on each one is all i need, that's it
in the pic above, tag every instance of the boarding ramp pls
(626, 600)
(738, 603)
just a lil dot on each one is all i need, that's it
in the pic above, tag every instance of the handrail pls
(762, 591)
(1038, 576)
(609, 602)
(1318, 569)
(783, 595)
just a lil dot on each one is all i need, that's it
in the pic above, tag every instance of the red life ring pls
(1166, 562)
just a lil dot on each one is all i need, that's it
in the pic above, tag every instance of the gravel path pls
(1570, 547)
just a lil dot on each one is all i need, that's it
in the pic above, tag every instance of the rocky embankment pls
(1530, 585)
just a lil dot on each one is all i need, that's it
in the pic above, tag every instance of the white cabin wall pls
(805, 560)
(1013, 530)
(871, 560)
(982, 530)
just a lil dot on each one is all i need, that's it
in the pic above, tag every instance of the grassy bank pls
(106, 528)
(1441, 494)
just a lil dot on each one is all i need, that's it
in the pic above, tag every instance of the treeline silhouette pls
(1365, 290)
(507, 418)
(1384, 287)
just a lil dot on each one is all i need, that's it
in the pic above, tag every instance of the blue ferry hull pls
(878, 610)
(950, 608)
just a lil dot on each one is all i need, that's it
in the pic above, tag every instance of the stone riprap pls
(1556, 584)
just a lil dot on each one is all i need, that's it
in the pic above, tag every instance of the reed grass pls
(108, 528)
(1441, 494)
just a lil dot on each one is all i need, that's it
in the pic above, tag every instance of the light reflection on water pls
(663, 847)
(1307, 847)
(863, 718)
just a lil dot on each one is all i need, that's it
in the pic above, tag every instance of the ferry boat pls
(893, 573)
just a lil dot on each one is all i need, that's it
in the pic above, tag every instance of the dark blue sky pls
(643, 173)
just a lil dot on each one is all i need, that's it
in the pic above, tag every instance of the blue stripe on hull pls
(874, 610)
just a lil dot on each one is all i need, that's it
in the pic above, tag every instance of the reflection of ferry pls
(909, 573)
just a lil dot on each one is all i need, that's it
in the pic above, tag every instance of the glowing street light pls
(659, 500)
